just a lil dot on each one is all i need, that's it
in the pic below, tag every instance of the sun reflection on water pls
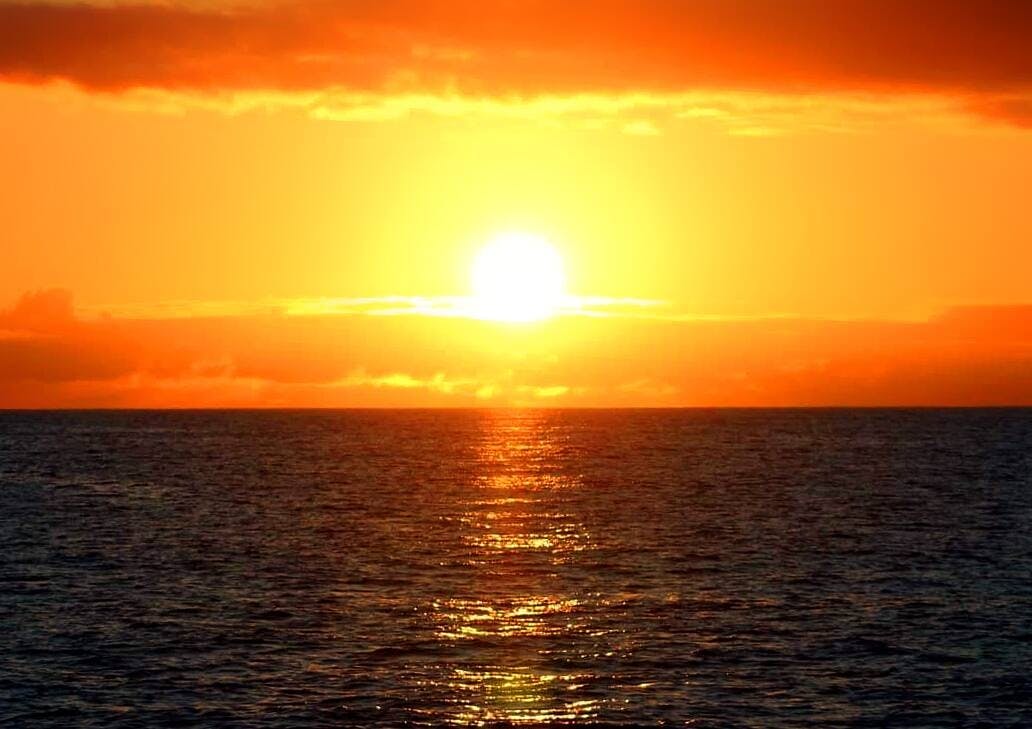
(521, 626)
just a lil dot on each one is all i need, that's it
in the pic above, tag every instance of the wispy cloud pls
(460, 307)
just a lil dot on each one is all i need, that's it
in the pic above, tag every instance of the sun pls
(517, 277)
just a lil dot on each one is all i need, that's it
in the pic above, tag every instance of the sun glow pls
(518, 277)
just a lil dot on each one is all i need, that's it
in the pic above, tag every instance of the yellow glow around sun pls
(517, 277)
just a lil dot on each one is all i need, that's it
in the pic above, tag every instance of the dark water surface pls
(704, 568)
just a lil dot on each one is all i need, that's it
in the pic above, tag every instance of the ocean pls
(703, 568)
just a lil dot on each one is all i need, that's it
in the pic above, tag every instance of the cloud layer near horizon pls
(49, 357)
(975, 52)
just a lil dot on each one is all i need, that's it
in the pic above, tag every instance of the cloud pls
(1015, 110)
(45, 343)
(50, 356)
(453, 53)
(430, 306)
(40, 312)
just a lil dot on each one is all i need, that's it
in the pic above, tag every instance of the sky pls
(278, 204)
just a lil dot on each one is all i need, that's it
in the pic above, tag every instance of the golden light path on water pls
(523, 628)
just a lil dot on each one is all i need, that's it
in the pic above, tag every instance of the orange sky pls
(212, 204)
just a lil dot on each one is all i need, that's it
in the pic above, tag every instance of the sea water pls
(755, 568)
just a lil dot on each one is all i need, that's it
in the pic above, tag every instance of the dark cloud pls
(975, 47)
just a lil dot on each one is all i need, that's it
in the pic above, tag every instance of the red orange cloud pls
(49, 357)
(974, 50)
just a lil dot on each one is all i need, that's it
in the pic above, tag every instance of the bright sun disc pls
(517, 277)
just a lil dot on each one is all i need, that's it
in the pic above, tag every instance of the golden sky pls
(279, 203)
